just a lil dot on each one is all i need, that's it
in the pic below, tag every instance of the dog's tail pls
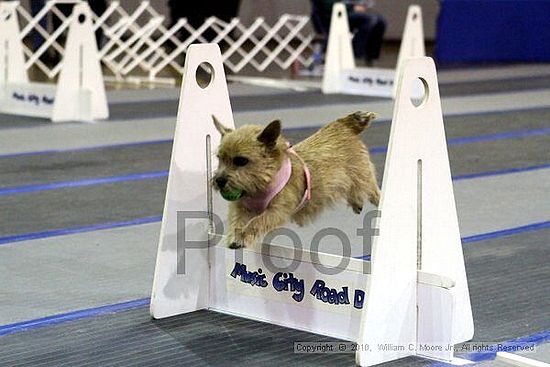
(359, 121)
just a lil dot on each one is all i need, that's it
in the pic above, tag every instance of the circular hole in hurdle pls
(419, 92)
(204, 75)
(415, 15)
(7, 16)
(340, 14)
(81, 18)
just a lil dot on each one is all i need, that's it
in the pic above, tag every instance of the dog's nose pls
(221, 181)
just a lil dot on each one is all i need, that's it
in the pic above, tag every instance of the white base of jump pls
(79, 94)
(412, 299)
(519, 361)
(376, 82)
(341, 74)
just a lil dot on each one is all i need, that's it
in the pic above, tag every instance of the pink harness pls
(260, 202)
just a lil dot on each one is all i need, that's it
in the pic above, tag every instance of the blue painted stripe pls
(25, 189)
(491, 235)
(97, 227)
(73, 230)
(374, 150)
(482, 138)
(72, 316)
(507, 171)
(528, 340)
(86, 149)
(499, 136)
(506, 232)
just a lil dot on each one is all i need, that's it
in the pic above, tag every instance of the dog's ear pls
(270, 133)
(222, 129)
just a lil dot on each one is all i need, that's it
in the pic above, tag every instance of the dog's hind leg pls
(357, 192)
(356, 199)
(364, 186)
(371, 186)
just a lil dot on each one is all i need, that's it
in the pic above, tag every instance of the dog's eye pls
(240, 161)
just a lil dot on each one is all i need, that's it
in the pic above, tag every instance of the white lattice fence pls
(137, 46)
(52, 41)
(139, 42)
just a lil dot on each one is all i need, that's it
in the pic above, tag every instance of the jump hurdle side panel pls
(12, 60)
(342, 76)
(313, 300)
(418, 216)
(188, 291)
(80, 92)
(412, 41)
(339, 54)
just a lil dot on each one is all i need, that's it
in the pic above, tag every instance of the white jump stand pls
(414, 291)
(80, 92)
(342, 76)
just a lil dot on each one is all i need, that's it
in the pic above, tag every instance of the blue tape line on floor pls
(500, 172)
(491, 235)
(482, 138)
(67, 231)
(72, 316)
(25, 189)
(506, 232)
(86, 149)
(373, 150)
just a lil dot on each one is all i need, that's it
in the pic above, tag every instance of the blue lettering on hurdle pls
(329, 295)
(358, 299)
(254, 278)
(287, 282)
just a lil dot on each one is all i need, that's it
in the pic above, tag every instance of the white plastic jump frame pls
(342, 76)
(413, 297)
(80, 92)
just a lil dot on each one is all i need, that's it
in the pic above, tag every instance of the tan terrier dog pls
(270, 183)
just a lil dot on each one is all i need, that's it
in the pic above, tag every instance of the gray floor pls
(65, 136)
(121, 160)
(53, 209)
(116, 265)
(206, 338)
(488, 130)
(275, 100)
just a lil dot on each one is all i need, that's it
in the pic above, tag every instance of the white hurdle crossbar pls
(341, 74)
(414, 294)
(80, 92)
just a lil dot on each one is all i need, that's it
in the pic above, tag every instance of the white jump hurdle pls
(413, 297)
(341, 74)
(79, 94)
